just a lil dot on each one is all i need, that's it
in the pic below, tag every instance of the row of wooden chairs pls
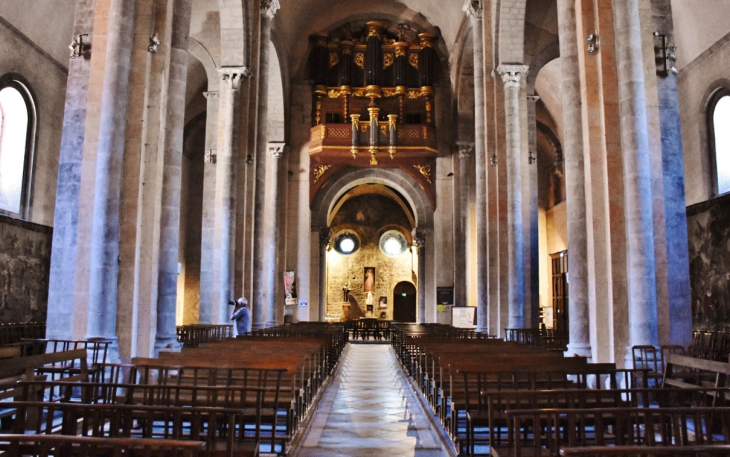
(519, 400)
(16, 332)
(550, 339)
(232, 395)
(194, 334)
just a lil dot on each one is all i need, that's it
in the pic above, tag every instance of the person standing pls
(242, 315)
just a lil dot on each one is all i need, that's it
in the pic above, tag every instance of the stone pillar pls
(104, 260)
(419, 243)
(65, 222)
(171, 179)
(466, 151)
(574, 182)
(325, 234)
(276, 150)
(263, 272)
(532, 289)
(474, 10)
(637, 178)
(511, 76)
(226, 168)
(680, 308)
(207, 242)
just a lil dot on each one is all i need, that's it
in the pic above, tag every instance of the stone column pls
(65, 222)
(419, 243)
(227, 165)
(324, 242)
(637, 178)
(574, 182)
(276, 150)
(171, 179)
(466, 151)
(263, 271)
(532, 299)
(104, 260)
(207, 242)
(511, 76)
(474, 9)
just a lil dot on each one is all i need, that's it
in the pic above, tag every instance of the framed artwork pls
(369, 281)
(383, 302)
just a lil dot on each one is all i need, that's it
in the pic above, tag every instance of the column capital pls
(232, 76)
(511, 74)
(277, 149)
(473, 8)
(325, 233)
(419, 238)
(211, 94)
(269, 8)
(533, 98)
(466, 148)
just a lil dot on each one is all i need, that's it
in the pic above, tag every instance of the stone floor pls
(370, 410)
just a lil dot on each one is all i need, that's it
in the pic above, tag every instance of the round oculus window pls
(346, 243)
(393, 243)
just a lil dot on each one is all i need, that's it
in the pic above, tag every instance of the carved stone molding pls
(277, 149)
(419, 238)
(512, 74)
(474, 8)
(466, 149)
(269, 8)
(232, 76)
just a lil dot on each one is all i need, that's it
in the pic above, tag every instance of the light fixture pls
(665, 56)
(154, 42)
(78, 46)
(493, 160)
(592, 40)
(249, 159)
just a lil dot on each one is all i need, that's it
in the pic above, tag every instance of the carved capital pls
(474, 8)
(465, 148)
(325, 234)
(511, 74)
(277, 149)
(232, 76)
(211, 94)
(419, 238)
(269, 8)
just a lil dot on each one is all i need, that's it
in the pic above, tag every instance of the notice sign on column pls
(445, 296)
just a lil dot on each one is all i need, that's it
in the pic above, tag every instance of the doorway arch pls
(404, 302)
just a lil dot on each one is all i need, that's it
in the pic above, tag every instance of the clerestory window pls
(720, 127)
(17, 132)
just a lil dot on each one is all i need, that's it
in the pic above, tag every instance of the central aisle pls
(370, 410)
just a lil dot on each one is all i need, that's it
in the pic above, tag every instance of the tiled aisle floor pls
(369, 410)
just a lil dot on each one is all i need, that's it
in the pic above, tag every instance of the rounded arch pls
(327, 197)
(201, 53)
(714, 92)
(542, 58)
(25, 169)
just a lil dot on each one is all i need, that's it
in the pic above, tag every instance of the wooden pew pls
(544, 432)
(84, 446)
(221, 429)
(643, 451)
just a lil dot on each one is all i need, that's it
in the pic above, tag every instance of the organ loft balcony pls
(373, 103)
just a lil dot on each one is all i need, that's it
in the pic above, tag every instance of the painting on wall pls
(708, 227)
(369, 281)
(383, 302)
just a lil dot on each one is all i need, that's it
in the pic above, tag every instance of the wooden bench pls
(642, 451)
(84, 446)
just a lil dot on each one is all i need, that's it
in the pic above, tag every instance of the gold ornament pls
(319, 170)
(425, 170)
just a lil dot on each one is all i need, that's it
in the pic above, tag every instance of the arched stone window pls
(719, 117)
(17, 135)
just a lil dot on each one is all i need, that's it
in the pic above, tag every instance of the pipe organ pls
(373, 101)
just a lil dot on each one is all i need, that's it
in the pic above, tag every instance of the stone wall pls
(708, 230)
(25, 256)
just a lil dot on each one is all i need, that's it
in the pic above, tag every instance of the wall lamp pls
(78, 47)
(665, 55)
(592, 40)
